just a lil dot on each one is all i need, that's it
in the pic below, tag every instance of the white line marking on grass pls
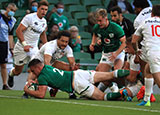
(87, 104)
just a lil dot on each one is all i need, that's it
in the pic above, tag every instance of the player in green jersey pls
(81, 81)
(112, 39)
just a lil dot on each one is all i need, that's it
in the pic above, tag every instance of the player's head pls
(140, 5)
(60, 7)
(156, 10)
(116, 14)
(36, 66)
(74, 31)
(11, 9)
(101, 18)
(63, 39)
(42, 8)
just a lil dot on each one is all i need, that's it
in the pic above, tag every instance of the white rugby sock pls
(115, 73)
(11, 74)
(148, 88)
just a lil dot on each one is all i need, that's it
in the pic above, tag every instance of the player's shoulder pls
(95, 27)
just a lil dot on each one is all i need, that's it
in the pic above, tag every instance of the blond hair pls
(101, 12)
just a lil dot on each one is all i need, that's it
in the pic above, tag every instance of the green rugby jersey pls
(110, 36)
(61, 21)
(56, 78)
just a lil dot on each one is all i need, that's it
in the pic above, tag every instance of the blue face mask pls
(11, 13)
(60, 10)
(34, 8)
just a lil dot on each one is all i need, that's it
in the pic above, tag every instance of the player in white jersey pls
(150, 31)
(142, 10)
(31, 28)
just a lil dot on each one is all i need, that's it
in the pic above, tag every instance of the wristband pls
(24, 43)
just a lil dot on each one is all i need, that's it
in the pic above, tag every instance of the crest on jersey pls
(36, 23)
(43, 24)
(111, 35)
(64, 21)
(107, 41)
(60, 24)
(99, 35)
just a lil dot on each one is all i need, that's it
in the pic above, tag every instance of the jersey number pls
(57, 70)
(155, 31)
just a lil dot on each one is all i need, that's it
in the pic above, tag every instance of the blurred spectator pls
(33, 7)
(7, 22)
(53, 33)
(75, 42)
(55, 16)
(123, 4)
(126, 24)
(91, 21)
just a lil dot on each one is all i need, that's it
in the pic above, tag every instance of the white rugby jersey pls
(35, 26)
(144, 14)
(150, 30)
(51, 48)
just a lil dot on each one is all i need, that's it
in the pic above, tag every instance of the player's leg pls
(15, 71)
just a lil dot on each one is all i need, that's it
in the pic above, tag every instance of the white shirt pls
(51, 48)
(144, 14)
(150, 30)
(35, 26)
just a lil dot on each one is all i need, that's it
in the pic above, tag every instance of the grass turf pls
(11, 103)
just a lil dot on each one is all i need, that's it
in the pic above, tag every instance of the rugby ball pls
(33, 87)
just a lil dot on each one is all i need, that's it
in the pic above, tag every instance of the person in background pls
(55, 16)
(7, 22)
(33, 7)
(123, 4)
(126, 24)
(53, 34)
(76, 42)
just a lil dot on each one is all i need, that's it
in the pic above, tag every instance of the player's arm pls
(47, 59)
(19, 32)
(43, 37)
(94, 40)
(122, 46)
(134, 42)
(39, 93)
(72, 64)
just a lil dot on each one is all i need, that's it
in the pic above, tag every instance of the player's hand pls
(27, 48)
(53, 10)
(113, 56)
(136, 60)
(99, 42)
(91, 47)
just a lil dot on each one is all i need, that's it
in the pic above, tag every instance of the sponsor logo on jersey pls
(111, 35)
(144, 13)
(60, 24)
(107, 41)
(43, 24)
(36, 23)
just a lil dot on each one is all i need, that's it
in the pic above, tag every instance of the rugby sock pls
(148, 88)
(11, 74)
(113, 87)
(116, 73)
(112, 96)
(101, 87)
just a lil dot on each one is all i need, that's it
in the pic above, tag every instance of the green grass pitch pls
(11, 103)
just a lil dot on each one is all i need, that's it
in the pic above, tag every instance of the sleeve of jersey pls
(95, 28)
(26, 21)
(49, 50)
(69, 52)
(120, 32)
(41, 80)
(138, 32)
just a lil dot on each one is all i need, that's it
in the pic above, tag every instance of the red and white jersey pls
(150, 31)
(144, 14)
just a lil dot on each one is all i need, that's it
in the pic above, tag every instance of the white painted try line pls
(87, 104)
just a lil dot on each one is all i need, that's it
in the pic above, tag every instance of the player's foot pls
(10, 81)
(5, 87)
(144, 103)
(152, 98)
(122, 73)
(72, 96)
(53, 92)
(125, 93)
(25, 96)
(140, 94)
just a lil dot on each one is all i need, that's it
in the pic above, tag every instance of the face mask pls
(11, 13)
(34, 8)
(60, 10)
